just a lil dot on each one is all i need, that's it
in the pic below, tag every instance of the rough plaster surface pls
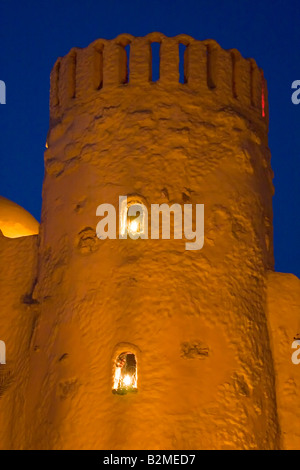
(197, 321)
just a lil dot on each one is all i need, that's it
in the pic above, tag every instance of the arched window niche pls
(125, 369)
(133, 217)
(125, 373)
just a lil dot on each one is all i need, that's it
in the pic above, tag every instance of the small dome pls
(16, 221)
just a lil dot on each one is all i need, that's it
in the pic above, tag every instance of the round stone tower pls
(192, 323)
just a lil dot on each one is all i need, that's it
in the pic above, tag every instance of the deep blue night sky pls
(34, 33)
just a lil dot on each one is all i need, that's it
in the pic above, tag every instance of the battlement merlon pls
(222, 77)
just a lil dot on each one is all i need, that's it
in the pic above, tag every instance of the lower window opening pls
(125, 377)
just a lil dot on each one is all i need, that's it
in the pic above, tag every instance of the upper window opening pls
(133, 218)
(125, 373)
(134, 222)
(155, 52)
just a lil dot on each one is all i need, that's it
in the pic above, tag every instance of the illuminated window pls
(125, 374)
(133, 218)
(135, 222)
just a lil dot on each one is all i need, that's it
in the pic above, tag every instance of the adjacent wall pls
(284, 326)
(18, 262)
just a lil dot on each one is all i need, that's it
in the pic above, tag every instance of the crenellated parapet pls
(194, 133)
(222, 77)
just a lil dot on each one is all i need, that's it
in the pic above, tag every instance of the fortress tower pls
(206, 334)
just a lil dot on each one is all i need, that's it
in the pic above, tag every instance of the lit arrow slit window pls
(125, 373)
(133, 215)
(135, 222)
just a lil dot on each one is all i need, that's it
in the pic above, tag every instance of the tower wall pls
(195, 319)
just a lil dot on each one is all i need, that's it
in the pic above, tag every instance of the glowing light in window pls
(125, 374)
(133, 218)
(127, 380)
(133, 226)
